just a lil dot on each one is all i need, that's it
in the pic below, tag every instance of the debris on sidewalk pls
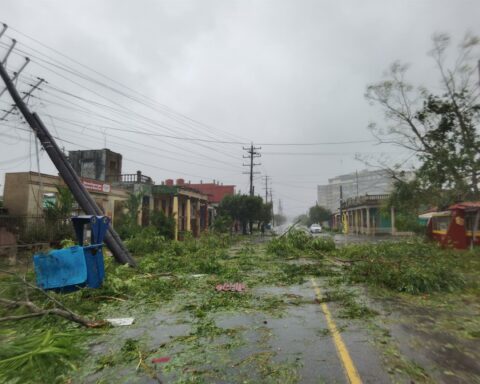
(121, 321)
(231, 287)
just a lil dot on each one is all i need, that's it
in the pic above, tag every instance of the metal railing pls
(359, 200)
(130, 178)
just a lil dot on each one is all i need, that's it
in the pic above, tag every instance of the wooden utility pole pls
(252, 154)
(86, 202)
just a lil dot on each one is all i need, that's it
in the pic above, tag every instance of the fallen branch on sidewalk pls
(36, 311)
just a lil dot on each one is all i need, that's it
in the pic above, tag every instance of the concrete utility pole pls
(266, 188)
(252, 154)
(341, 211)
(86, 202)
(273, 213)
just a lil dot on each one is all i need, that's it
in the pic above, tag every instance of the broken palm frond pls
(38, 357)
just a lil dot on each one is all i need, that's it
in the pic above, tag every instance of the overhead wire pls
(146, 120)
(86, 77)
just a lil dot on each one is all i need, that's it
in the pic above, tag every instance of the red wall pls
(215, 192)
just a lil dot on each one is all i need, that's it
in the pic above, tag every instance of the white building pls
(353, 184)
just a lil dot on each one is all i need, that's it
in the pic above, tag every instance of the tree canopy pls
(245, 209)
(439, 128)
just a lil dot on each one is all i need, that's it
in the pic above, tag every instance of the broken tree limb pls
(290, 228)
(37, 311)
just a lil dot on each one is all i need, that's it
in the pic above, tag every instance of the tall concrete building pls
(353, 184)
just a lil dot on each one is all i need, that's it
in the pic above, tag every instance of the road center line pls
(342, 351)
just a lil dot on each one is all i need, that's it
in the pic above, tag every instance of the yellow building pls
(186, 205)
(26, 194)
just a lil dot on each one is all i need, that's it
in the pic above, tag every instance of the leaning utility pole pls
(252, 154)
(71, 179)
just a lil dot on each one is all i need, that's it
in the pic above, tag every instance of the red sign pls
(96, 186)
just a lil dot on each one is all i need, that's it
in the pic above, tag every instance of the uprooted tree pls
(440, 128)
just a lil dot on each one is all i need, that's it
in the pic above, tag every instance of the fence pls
(36, 229)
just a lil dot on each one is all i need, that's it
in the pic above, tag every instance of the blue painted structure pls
(81, 265)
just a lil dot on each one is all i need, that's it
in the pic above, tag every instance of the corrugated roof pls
(465, 205)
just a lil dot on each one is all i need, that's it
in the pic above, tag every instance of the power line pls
(153, 104)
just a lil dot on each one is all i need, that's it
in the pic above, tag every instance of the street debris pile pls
(297, 242)
(196, 282)
(412, 266)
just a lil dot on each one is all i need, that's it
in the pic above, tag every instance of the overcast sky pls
(263, 71)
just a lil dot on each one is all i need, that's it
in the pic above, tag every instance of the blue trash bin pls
(70, 268)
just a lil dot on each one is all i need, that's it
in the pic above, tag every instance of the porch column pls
(368, 221)
(392, 218)
(356, 222)
(361, 221)
(167, 207)
(189, 210)
(197, 218)
(175, 215)
(205, 219)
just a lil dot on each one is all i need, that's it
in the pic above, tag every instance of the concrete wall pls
(23, 193)
(98, 164)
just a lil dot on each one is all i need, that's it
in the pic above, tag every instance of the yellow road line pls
(342, 351)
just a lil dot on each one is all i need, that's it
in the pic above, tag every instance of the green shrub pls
(146, 240)
(165, 225)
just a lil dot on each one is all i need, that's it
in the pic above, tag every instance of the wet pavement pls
(446, 357)
(298, 340)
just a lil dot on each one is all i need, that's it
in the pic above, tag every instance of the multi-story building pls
(354, 184)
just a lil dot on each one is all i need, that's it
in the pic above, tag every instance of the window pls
(441, 223)
(49, 199)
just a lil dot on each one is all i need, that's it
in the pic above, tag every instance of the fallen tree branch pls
(290, 228)
(34, 287)
(37, 311)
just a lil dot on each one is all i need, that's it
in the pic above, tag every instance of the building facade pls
(189, 207)
(363, 215)
(354, 184)
(26, 194)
